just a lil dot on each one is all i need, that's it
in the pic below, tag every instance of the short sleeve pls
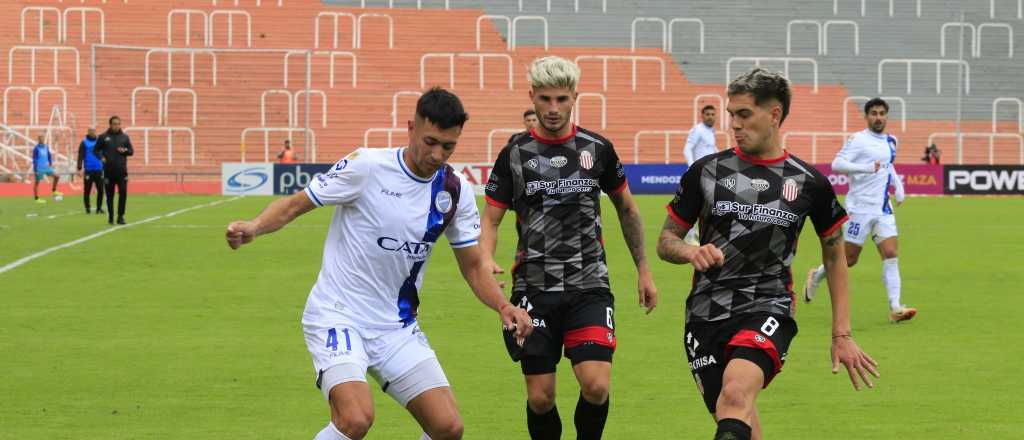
(685, 207)
(613, 179)
(343, 183)
(464, 231)
(498, 191)
(826, 213)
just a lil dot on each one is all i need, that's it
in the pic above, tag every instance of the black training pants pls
(121, 182)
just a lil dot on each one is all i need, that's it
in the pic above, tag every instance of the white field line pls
(94, 235)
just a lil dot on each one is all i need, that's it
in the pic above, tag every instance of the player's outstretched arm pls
(489, 224)
(474, 266)
(844, 350)
(673, 249)
(633, 233)
(277, 214)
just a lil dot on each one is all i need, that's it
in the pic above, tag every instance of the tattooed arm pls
(633, 233)
(844, 350)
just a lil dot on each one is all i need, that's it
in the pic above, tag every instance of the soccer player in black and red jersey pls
(553, 178)
(751, 202)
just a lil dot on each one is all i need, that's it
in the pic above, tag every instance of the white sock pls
(891, 278)
(425, 437)
(330, 433)
(819, 275)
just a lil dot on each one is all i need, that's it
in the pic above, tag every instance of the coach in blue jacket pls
(89, 156)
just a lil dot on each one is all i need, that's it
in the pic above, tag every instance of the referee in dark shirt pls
(114, 147)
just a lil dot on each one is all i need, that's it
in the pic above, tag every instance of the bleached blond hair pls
(553, 71)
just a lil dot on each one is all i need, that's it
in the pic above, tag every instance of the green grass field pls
(159, 331)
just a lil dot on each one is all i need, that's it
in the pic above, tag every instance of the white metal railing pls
(667, 135)
(180, 90)
(170, 141)
(822, 34)
(419, 4)
(863, 8)
(1009, 37)
(515, 25)
(310, 136)
(391, 29)
(633, 59)
(956, 24)
(480, 56)
(63, 100)
(721, 107)
(231, 14)
(289, 100)
(991, 141)
(188, 13)
(938, 71)
(671, 28)
(604, 108)
(170, 51)
(332, 56)
(323, 104)
(814, 135)
(41, 11)
(901, 101)
(159, 102)
(258, 3)
(32, 101)
(334, 16)
(508, 26)
(394, 103)
(786, 61)
(995, 105)
(576, 5)
(490, 139)
(56, 61)
(662, 25)
(83, 11)
(992, 9)
(390, 131)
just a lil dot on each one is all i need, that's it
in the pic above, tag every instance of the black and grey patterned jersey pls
(753, 211)
(554, 186)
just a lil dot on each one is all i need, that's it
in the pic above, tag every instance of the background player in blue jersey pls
(88, 156)
(751, 203)
(42, 166)
(868, 158)
(391, 207)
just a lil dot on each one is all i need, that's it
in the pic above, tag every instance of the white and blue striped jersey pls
(386, 223)
(869, 189)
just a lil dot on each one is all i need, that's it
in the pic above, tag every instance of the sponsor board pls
(918, 179)
(654, 178)
(246, 179)
(292, 178)
(984, 179)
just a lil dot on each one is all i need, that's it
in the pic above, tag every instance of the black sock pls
(547, 426)
(590, 419)
(732, 429)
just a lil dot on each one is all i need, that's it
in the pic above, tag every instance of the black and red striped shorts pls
(581, 322)
(761, 338)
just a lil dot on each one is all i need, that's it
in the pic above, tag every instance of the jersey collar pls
(401, 163)
(558, 141)
(754, 160)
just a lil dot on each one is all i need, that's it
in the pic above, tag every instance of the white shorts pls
(390, 356)
(861, 226)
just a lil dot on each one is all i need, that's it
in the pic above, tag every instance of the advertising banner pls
(246, 179)
(918, 179)
(984, 179)
(654, 178)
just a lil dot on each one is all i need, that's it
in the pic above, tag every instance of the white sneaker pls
(810, 287)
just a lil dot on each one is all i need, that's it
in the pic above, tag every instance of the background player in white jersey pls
(392, 206)
(868, 158)
(699, 143)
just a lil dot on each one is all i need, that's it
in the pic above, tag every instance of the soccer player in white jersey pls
(700, 142)
(868, 158)
(391, 206)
